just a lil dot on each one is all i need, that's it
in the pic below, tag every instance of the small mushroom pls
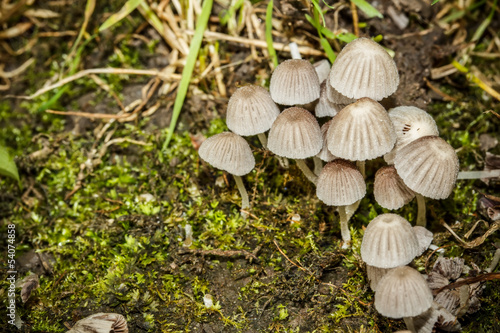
(251, 111)
(364, 69)
(341, 184)
(294, 82)
(429, 167)
(296, 134)
(101, 322)
(401, 293)
(389, 189)
(230, 152)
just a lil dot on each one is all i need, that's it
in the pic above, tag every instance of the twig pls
(467, 281)
(478, 241)
(86, 72)
(305, 50)
(296, 265)
(354, 12)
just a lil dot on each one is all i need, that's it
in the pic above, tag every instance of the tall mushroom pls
(230, 152)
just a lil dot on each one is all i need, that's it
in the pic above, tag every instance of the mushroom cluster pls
(357, 129)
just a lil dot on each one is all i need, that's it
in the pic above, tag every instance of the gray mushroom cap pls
(229, 152)
(364, 69)
(389, 189)
(294, 82)
(402, 292)
(389, 241)
(361, 131)
(428, 166)
(340, 183)
(251, 111)
(295, 134)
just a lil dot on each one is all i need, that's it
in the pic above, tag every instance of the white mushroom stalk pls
(245, 202)
(307, 172)
(479, 174)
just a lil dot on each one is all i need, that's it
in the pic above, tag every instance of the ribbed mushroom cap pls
(364, 69)
(389, 242)
(402, 292)
(294, 82)
(424, 238)
(410, 124)
(295, 134)
(362, 131)
(428, 166)
(251, 111)
(375, 274)
(340, 183)
(335, 97)
(100, 323)
(325, 108)
(389, 189)
(228, 151)
(322, 68)
(325, 154)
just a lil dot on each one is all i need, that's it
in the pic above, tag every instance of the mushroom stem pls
(307, 172)
(245, 203)
(263, 140)
(318, 165)
(421, 220)
(344, 227)
(494, 262)
(409, 324)
(294, 50)
(361, 167)
(479, 174)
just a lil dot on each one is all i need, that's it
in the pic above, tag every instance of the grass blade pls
(269, 35)
(151, 17)
(368, 9)
(7, 166)
(127, 8)
(201, 25)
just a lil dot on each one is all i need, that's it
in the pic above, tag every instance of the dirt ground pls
(101, 209)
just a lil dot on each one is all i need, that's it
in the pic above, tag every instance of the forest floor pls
(102, 205)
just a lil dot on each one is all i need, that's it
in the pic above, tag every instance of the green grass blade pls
(482, 27)
(269, 35)
(151, 17)
(368, 9)
(127, 8)
(328, 49)
(201, 25)
(7, 166)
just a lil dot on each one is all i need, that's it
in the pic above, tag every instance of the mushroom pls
(403, 293)
(364, 69)
(389, 189)
(230, 152)
(294, 82)
(324, 107)
(296, 134)
(251, 111)
(341, 184)
(101, 322)
(429, 167)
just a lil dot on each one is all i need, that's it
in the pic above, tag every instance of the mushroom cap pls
(325, 108)
(294, 82)
(389, 189)
(325, 154)
(410, 124)
(364, 69)
(389, 242)
(295, 134)
(251, 111)
(101, 322)
(229, 152)
(402, 292)
(322, 68)
(361, 131)
(424, 238)
(340, 183)
(428, 166)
